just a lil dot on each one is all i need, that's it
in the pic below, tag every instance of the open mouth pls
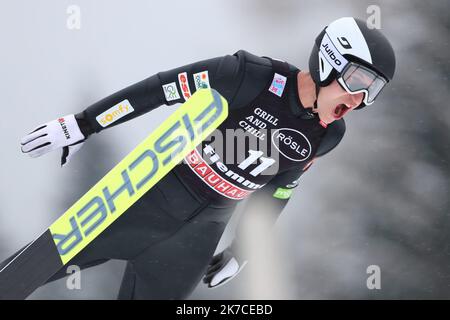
(340, 110)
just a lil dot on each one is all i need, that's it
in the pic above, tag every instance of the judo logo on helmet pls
(331, 54)
(344, 42)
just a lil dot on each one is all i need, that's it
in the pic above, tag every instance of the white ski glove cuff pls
(229, 271)
(63, 132)
(222, 268)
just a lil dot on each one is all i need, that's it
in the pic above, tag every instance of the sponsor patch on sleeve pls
(278, 84)
(114, 113)
(184, 85)
(201, 80)
(171, 91)
(283, 193)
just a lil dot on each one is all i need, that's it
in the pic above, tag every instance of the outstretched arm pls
(169, 87)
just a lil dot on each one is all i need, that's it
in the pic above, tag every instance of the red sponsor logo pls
(212, 179)
(184, 85)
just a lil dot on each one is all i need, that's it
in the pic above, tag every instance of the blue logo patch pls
(278, 84)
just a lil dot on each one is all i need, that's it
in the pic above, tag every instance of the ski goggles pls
(356, 78)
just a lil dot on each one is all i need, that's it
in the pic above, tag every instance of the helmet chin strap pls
(315, 107)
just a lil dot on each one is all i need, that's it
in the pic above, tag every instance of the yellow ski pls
(105, 202)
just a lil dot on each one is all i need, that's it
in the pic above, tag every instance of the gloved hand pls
(222, 268)
(61, 133)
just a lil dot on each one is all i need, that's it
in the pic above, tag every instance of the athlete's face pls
(334, 102)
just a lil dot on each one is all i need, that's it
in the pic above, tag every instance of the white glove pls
(60, 133)
(222, 268)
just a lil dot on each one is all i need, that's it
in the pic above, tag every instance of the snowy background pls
(381, 198)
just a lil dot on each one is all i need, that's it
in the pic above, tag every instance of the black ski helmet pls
(355, 42)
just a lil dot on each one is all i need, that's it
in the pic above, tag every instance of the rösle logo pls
(292, 144)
